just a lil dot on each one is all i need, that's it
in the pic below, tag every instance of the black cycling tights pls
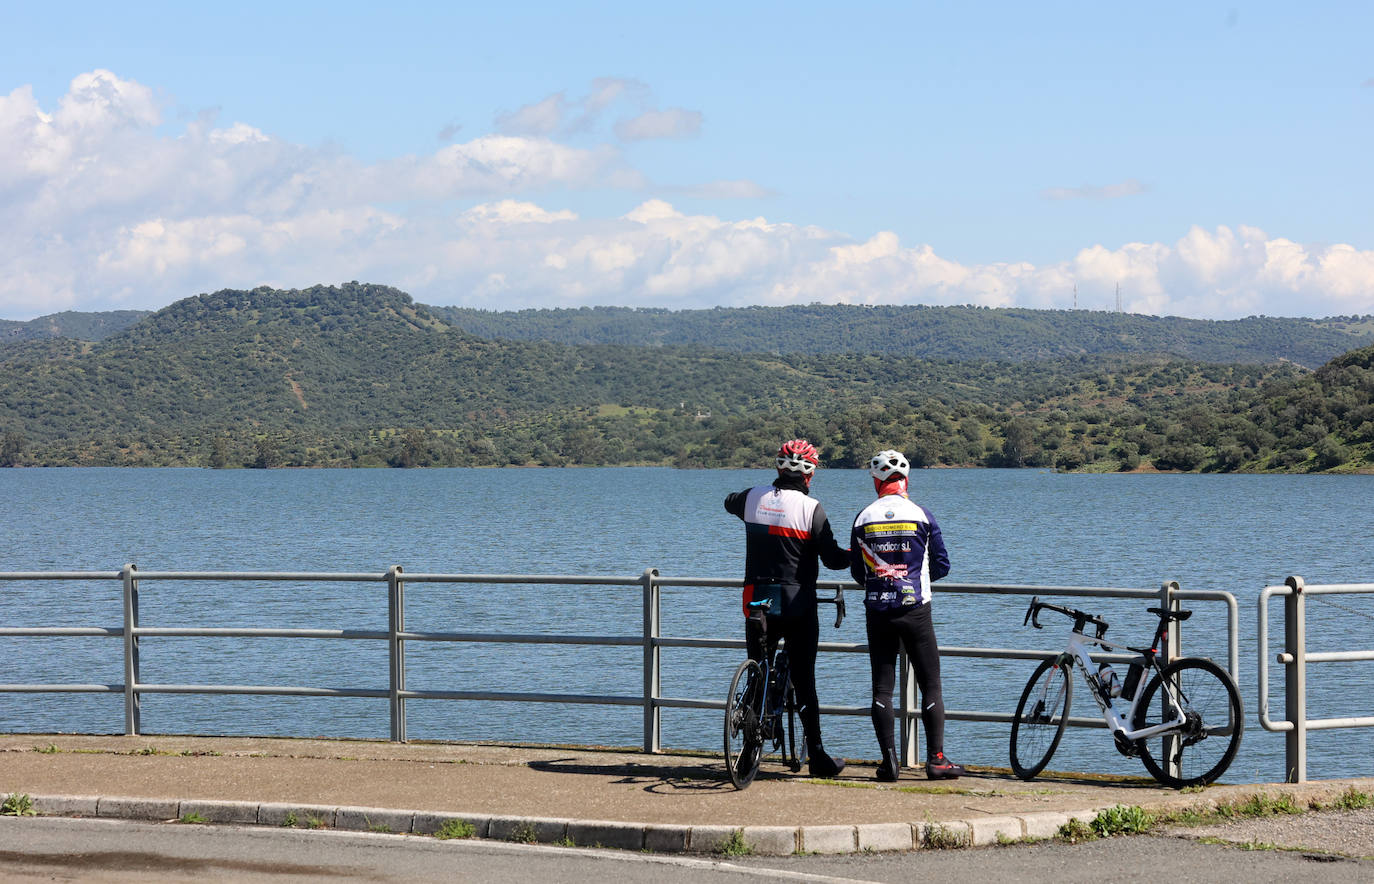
(912, 629)
(802, 634)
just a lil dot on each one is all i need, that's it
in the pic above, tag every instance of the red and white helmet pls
(888, 463)
(798, 456)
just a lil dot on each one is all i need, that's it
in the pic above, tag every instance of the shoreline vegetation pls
(362, 376)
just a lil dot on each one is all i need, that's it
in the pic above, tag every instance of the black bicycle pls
(761, 709)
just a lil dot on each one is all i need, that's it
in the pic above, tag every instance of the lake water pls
(1232, 533)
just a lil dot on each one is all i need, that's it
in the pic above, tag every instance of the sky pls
(1191, 159)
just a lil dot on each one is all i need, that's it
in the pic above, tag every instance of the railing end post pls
(653, 663)
(1295, 583)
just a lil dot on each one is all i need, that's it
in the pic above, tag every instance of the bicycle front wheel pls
(1038, 725)
(1200, 749)
(743, 735)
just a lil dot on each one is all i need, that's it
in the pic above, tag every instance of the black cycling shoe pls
(888, 769)
(822, 765)
(938, 767)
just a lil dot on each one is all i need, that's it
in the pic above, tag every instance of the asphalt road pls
(64, 849)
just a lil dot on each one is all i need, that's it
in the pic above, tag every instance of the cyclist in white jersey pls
(896, 551)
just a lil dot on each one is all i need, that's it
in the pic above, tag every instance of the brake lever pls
(1031, 609)
(839, 607)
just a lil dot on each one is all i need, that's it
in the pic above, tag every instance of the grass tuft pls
(453, 828)
(941, 837)
(735, 845)
(1122, 820)
(1352, 799)
(17, 804)
(1074, 831)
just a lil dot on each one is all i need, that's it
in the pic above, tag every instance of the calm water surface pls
(1232, 533)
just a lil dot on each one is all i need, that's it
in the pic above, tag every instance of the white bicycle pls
(1185, 725)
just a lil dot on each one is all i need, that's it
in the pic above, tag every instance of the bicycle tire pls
(743, 739)
(1041, 715)
(1209, 696)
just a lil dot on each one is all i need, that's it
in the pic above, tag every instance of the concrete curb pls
(655, 837)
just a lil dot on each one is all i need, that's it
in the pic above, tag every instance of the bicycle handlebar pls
(838, 602)
(1080, 618)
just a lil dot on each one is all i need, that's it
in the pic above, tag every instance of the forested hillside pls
(962, 333)
(69, 324)
(360, 375)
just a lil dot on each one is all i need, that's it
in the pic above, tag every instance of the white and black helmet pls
(889, 463)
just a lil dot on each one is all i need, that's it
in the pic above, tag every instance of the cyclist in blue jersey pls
(786, 532)
(896, 551)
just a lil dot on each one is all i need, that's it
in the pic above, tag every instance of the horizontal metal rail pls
(651, 700)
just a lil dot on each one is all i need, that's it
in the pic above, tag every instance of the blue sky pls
(1211, 159)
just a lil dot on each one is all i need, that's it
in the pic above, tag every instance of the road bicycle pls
(761, 708)
(1185, 724)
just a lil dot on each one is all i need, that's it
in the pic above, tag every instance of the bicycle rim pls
(1206, 744)
(743, 741)
(1040, 718)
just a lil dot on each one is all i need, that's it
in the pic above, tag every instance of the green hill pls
(360, 375)
(69, 324)
(959, 333)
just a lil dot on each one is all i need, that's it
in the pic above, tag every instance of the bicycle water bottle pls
(1106, 676)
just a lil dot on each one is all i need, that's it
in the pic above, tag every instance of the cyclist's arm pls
(734, 503)
(935, 550)
(857, 569)
(833, 556)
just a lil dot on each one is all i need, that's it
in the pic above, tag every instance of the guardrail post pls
(1173, 649)
(1295, 682)
(653, 715)
(910, 739)
(133, 719)
(396, 624)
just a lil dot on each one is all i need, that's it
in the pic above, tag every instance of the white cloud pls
(101, 207)
(672, 123)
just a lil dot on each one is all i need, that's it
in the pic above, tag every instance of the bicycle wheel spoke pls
(1201, 748)
(743, 739)
(1040, 717)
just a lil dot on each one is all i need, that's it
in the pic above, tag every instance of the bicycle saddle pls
(1180, 616)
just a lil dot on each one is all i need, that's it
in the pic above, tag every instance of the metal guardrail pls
(1295, 658)
(650, 639)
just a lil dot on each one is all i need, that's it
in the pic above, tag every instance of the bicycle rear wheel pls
(1040, 718)
(1207, 742)
(743, 737)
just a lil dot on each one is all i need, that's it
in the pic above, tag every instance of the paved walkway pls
(665, 803)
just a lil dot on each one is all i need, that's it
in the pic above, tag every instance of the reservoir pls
(1236, 533)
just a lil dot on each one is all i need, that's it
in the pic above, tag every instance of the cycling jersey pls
(895, 552)
(786, 531)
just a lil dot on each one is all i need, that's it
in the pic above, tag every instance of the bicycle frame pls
(1118, 720)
